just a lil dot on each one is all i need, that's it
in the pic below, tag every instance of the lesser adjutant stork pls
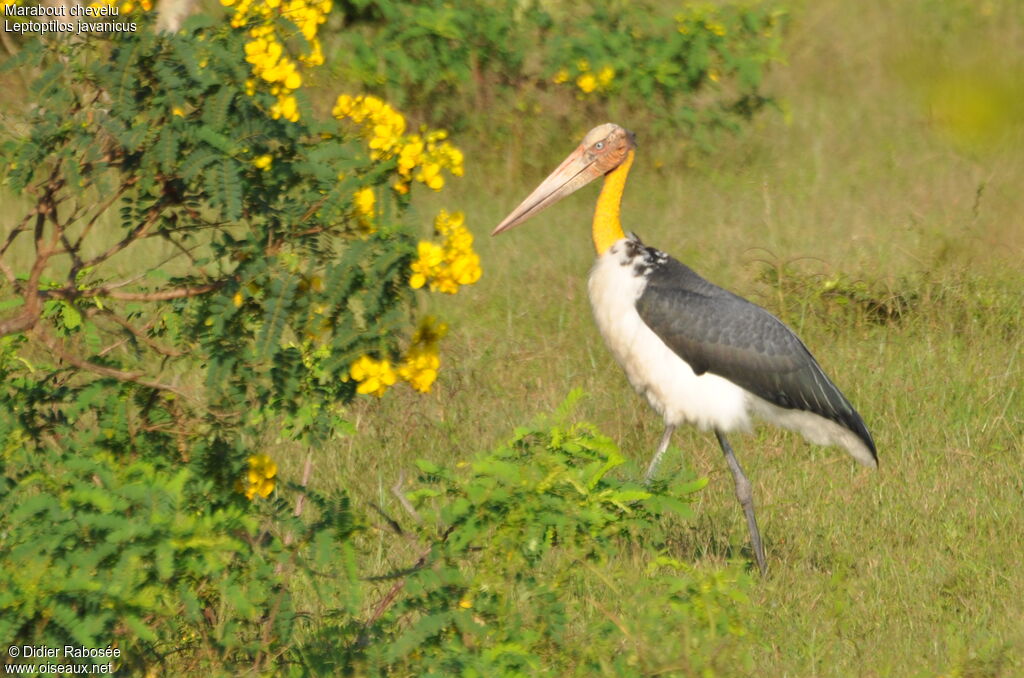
(698, 353)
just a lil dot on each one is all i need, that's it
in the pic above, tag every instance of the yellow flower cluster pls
(364, 200)
(373, 376)
(259, 480)
(263, 162)
(266, 50)
(587, 80)
(381, 124)
(450, 264)
(421, 157)
(422, 361)
(419, 366)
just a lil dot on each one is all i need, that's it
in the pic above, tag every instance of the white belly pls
(655, 371)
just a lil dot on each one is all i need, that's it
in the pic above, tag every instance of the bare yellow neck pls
(607, 227)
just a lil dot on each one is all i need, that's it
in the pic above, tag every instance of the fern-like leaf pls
(226, 189)
(275, 316)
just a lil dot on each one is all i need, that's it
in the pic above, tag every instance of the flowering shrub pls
(283, 293)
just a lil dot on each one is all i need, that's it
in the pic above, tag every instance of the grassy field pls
(893, 162)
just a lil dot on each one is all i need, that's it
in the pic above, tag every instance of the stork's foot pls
(746, 498)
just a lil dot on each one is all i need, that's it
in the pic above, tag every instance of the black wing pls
(719, 332)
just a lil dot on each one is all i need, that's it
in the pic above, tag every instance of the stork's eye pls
(599, 145)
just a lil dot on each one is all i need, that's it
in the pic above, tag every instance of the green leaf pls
(275, 316)
(70, 316)
(226, 189)
(216, 139)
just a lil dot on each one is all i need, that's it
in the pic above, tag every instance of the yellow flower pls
(380, 124)
(374, 376)
(384, 128)
(562, 75)
(259, 480)
(272, 61)
(421, 363)
(452, 263)
(587, 82)
(176, 110)
(286, 107)
(364, 201)
(263, 162)
(420, 369)
(606, 75)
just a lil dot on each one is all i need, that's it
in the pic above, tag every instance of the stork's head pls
(603, 149)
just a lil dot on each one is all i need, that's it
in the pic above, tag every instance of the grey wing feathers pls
(719, 332)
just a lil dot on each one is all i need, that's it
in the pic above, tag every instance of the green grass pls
(911, 570)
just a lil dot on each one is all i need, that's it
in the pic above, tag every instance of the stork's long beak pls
(575, 172)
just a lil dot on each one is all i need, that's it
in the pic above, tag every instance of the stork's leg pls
(746, 497)
(662, 446)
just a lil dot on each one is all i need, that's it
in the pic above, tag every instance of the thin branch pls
(109, 292)
(307, 470)
(289, 537)
(8, 273)
(140, 276)
(140, 334)
(60, 235)
(396, 490)
(113, 347)
(136, 233)
(392, 523)
(393, 592)
(165, 295)
(103, 210)
(21, 322)
(168, 236)
(30, 313)
(17, 231)
(134, 377)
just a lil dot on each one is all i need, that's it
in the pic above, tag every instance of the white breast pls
(655, 371)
